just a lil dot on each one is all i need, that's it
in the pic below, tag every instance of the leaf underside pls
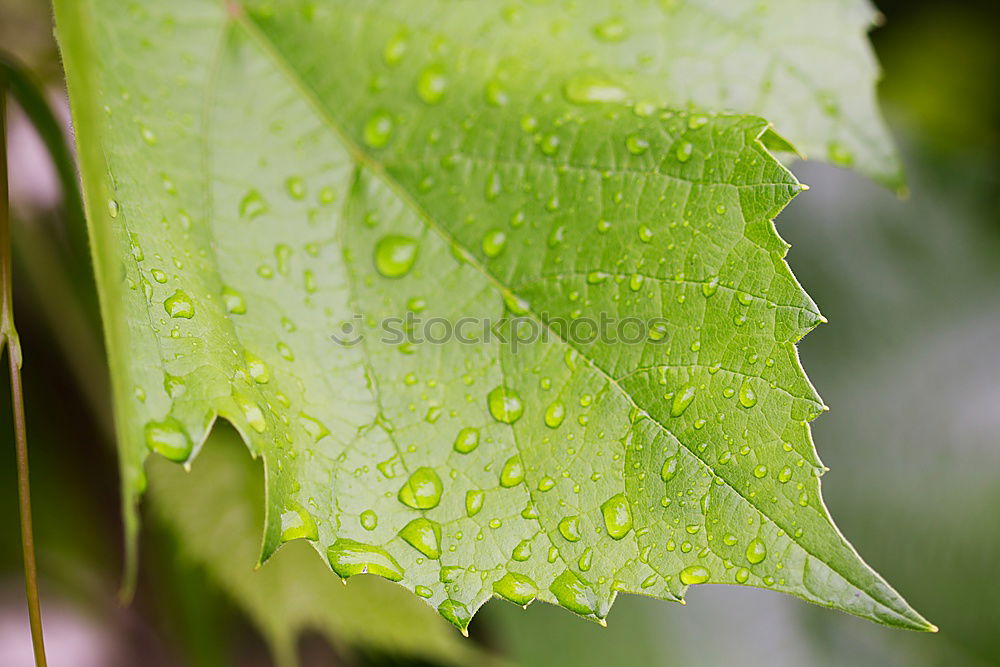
(257, 177)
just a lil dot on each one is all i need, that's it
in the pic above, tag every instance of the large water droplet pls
(179, 304)
(611, 30)
(573, 594)
(378, 129)
(512, 473)
(748, 398)
(467, 440)
(694, 574)
(234, 301)
(569, 528)
(517, 588)
(669, 469)
(756, 551)
(682, 399)
(423, 535)
(169, 439)
(617, 516)
(349, 557)
(252, 205)
(297, 523)
(422, 490)
(590, 88)
(395, 255)
(494, 242)
(457, 614)
(474, 502)
(555, 414)
(505, 404)
(432, 83)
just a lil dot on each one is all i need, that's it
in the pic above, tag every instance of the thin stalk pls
(10, 339)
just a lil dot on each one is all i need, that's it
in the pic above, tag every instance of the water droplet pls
(636, 145)
(432, 83)
(495, 94)
(456, 613)
(785, 475)
(179, 304)
(570, 591)
(252, 413)
(252, 205)
(467, 440)
(296, 187)
(742, 575)
(748, 398)
(684, 151)
(474, 502)
(522, 551)
(494, 242)
(682, 399)
(512, 473)
(147, 135)
(297, 523)
(617, 516)
(694, 574)
(423, 591)
(756, 551)
(349, 557)
(636, 281)
(555, 414)
(112, 208)
(423, 535)
(669, 469)
(369, 520)
(590, 88)
(550, 144)
(169, 439)
(234, 301)
(394, 49)
(395, 255)
(710, 287)
(569, 528)
(611, 30)
(378, 129)
(517, 588)
(546, 484)
(645, 234)
(505, 404)
(422, 490)
(760, 471)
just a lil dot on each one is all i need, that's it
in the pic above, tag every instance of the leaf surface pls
(261, 179)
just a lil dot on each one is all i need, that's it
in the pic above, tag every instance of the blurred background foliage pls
(910, 363)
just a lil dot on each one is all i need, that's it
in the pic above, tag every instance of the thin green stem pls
(10, 339)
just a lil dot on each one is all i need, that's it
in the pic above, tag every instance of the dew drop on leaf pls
(422, 489)
(423, 535)
(395, 255)
(505, 404)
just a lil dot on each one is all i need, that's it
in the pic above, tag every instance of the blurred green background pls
(910, 363)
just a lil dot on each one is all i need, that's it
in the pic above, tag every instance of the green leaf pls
(260, 181)
(215, 511)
